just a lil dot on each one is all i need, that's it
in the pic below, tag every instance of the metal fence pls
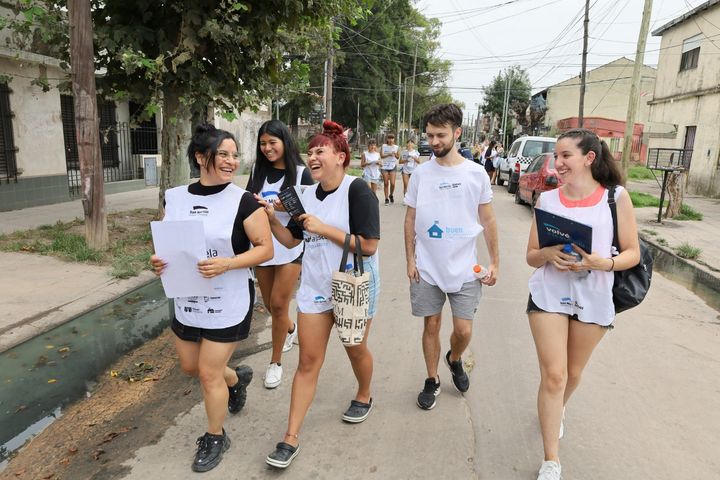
(8, 167)
(122, 149)
(669, 158)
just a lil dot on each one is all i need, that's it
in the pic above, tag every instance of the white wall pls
(37, 124)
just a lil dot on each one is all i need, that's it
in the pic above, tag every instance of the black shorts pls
(532, 307)
(233, 333)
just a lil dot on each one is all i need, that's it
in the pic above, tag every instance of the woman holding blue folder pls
(569, 312)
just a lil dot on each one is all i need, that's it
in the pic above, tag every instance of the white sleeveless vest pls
(283, 254)
(590, 298)
(322, 257)
(231, 301)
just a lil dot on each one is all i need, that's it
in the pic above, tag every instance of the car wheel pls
(512, 187)
(534, 199)
(518, 200)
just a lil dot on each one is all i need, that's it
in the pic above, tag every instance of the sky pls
(482, 37)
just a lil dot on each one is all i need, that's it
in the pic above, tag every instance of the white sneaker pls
(562, 425)
(290, 340)
(273, 376)
(550, 470)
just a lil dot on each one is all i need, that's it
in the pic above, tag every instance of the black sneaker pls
(459, 377)
(426, 398)
(238, 392)
(210, 451)
(392, 200)
(387, 202)
(283, 455)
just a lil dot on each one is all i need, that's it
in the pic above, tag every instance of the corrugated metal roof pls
(685, 16)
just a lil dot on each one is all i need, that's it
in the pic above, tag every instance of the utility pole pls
(397, 132)
(404, 137)
(583, 74)
(476, 135)
(87, 124)
(412, 88)
(329, 82)
(357, 123)
(635, 85)
(506, 101)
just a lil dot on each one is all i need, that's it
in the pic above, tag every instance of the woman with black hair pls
(207, 329)
(569, 309)
(489, 157)
(278, 166)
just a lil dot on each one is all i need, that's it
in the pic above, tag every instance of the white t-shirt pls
(372, 169)
(411, 157)
(446, 200)
(386, 156)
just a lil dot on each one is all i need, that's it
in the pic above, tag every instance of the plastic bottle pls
(480, 272)
(568, 249)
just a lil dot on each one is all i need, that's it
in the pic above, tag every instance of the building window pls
(8, 167)
(108, 134)
(690, 52)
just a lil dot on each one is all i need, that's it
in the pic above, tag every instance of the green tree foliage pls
(186, 55)
(519, 93)
(370, 53)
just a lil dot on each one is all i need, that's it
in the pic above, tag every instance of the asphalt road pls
(648, 407)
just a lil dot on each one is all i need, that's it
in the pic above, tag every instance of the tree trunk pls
(176, 134)
(87, 126)
(675, 194)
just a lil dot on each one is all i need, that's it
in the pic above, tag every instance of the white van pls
(521, 153)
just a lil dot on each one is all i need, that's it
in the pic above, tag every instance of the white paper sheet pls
(181, 244)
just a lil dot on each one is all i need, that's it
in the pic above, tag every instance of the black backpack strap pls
(613, 212)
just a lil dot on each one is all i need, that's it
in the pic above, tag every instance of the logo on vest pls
(199, 210)
(438, 232)
(314, 241)
(319, 299)
(569, 302)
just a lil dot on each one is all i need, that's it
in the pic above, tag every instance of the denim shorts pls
(372, 266)
(532, 307)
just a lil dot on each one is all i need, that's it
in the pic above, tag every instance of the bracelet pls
(288, 434)
(612, 267)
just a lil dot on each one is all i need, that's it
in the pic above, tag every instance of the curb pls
(46, 321)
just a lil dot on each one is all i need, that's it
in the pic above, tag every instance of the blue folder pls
(555, 229)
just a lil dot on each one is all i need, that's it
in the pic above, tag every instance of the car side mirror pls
(551, 181)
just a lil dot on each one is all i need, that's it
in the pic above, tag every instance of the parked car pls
(522, 151)
(424, 148)
(539, 177)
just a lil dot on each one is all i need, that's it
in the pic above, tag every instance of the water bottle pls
(480, 272)
(568, 249)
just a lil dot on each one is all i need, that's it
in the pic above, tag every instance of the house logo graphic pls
(435, 231)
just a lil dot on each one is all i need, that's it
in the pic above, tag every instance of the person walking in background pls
(389, 154)
(489, 156)
(207, 329)
(448, 206)
(409, 159)
(278, 166)
(465, 151)
(370, 163)
(569, 309)
(337, 206)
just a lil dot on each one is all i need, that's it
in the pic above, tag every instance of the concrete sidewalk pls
(702, 234)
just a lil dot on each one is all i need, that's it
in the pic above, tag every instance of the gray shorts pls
(427, 299)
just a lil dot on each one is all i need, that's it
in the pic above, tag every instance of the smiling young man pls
(449, 205)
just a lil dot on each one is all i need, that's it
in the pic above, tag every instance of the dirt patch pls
(128, 252)
(134, 402)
